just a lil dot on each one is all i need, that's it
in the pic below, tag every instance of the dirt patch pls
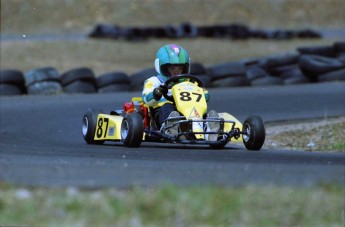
(327, 134)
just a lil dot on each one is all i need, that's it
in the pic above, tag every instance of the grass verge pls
(323, 135)
(174, 206)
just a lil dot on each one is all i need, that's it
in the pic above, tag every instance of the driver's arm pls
(148, 94)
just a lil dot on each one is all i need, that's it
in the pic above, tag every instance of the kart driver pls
(171, 60)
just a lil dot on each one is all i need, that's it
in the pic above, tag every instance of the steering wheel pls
(176, 79)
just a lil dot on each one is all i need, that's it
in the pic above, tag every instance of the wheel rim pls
(85, 126)
(124, 129)
(246, 136)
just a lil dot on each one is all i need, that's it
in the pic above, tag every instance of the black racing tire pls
(11, 76)
(254, 133)
(267, 81)
(205, 79)
(259, 34)
(112, 78)
(222, 31)
(138, 79)
(156, 32)
(189, 30)
(230, 69)
(114, 88)
(207, 31)
(280, 34)
(173, 31)
(308, 33)
(312, 65)
(89, 124)
(339, 47)
(239, 81)
(279, 70)
(326, 51)
(197, 69)
(296, 72)
(45, 88)
(132, 130)
(236, 31)
(9, 89)
(338, 75)
(294, 76)
(80, 86)
(253, 62)
(40, 75)
(296, 80)
(281, 60)
(254, 73)
(341, 57)
(84, 74)
(134, 34)
(106, 31)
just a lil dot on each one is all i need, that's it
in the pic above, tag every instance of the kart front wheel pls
(253, 133)
(132, 130)
(89, 126)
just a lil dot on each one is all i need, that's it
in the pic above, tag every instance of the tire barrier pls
(43, 81)
(314, 66)
(138, 78)
(113, 82)
(12, 82)
(79, 80)
(188, 30)
(306, 65)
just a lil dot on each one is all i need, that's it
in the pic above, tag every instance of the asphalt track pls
(41, 143)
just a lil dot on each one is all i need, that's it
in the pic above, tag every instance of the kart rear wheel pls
(89, 126)
(254, 133)
(132, 130)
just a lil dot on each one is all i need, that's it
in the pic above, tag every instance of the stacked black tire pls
(323, 63)
(79, 80)
(12, 82)
(43, 81)
(138, 78)
(199, 71)
(48, 81)
(113, 82)
(188, 30)
(229, 74)
(307, 64)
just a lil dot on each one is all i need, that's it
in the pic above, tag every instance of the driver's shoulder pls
(153, 80)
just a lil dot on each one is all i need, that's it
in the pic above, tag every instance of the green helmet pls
(171, 54)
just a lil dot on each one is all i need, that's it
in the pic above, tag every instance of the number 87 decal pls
(100, 127)
(186, 96)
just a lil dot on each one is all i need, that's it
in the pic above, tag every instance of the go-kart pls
(136, 122)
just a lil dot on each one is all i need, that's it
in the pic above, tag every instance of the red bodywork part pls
(129, 107)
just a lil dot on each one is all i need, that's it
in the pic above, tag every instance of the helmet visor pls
(174, 69)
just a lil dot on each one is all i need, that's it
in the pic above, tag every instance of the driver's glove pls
(158, 92)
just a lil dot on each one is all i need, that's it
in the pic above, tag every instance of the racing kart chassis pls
(187, 136)
(136, 122)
